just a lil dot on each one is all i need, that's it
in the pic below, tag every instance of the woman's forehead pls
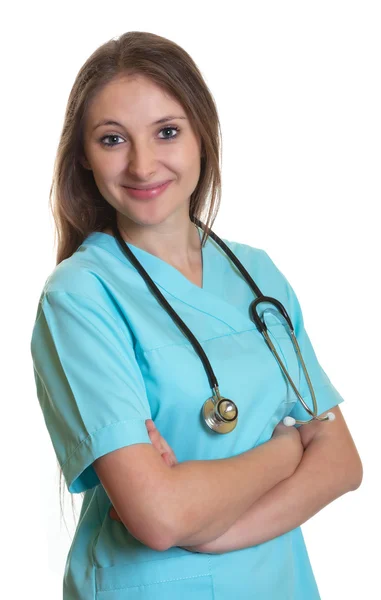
(145, 103)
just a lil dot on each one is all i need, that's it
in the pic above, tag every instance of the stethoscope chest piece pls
(220, 414)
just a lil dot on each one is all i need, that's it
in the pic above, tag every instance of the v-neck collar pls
(206, 298)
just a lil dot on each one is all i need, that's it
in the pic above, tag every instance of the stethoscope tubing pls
(261, 326)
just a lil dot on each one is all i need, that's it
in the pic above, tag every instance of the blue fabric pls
(107, 356)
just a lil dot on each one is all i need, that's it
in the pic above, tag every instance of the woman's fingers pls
(114, 515)
(155, 437)
(157, 440)
(167, 459)
(161, 444)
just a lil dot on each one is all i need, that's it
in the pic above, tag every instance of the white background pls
(297, 87)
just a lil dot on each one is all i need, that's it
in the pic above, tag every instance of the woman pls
(171, 507)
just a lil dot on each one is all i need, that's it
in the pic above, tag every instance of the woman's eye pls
(114, 135)
(169, 129)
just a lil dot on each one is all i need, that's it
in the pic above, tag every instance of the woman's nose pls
(142, 160)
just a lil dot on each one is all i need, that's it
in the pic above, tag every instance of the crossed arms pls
(329, 467)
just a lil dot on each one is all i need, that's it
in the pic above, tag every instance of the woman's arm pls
(330, 467)
(286, 506)
(205, 497)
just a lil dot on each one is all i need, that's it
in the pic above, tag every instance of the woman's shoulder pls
(250, 256)
(262, 268)
(82, 273)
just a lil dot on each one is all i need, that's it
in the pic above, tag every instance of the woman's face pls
(134, 151)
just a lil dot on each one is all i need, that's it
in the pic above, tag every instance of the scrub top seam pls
(159, 581)
(91, 434)
(204, 312)
(97, 503)
(69, 293)
(204, 341)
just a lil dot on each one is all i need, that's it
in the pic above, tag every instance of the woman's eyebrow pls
(111, 122)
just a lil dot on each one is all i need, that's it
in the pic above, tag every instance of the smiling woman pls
(163, 170)
(109, 361)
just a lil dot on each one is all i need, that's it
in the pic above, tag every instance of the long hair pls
(76, 203)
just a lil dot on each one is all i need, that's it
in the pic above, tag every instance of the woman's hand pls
(282, 429)
(161, 444)
(296, 444)
(162, 447)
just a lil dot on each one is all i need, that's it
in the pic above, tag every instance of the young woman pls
(163, 402)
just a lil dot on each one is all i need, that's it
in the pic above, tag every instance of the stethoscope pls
(221, 414)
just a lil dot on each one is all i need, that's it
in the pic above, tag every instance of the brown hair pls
(77, 205)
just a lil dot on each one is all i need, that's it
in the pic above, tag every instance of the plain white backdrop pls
(298, 91)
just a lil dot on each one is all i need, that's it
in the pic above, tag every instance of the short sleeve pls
(326, 394)
(89, 384)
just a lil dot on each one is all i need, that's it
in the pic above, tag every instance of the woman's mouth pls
(147, 194)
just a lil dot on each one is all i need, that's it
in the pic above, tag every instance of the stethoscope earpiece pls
(290, 421)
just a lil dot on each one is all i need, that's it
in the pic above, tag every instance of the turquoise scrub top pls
(107, 357)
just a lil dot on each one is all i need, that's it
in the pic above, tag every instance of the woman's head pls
(126, 146)
(135, 80)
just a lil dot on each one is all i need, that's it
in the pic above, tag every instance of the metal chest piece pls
(220, 414)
